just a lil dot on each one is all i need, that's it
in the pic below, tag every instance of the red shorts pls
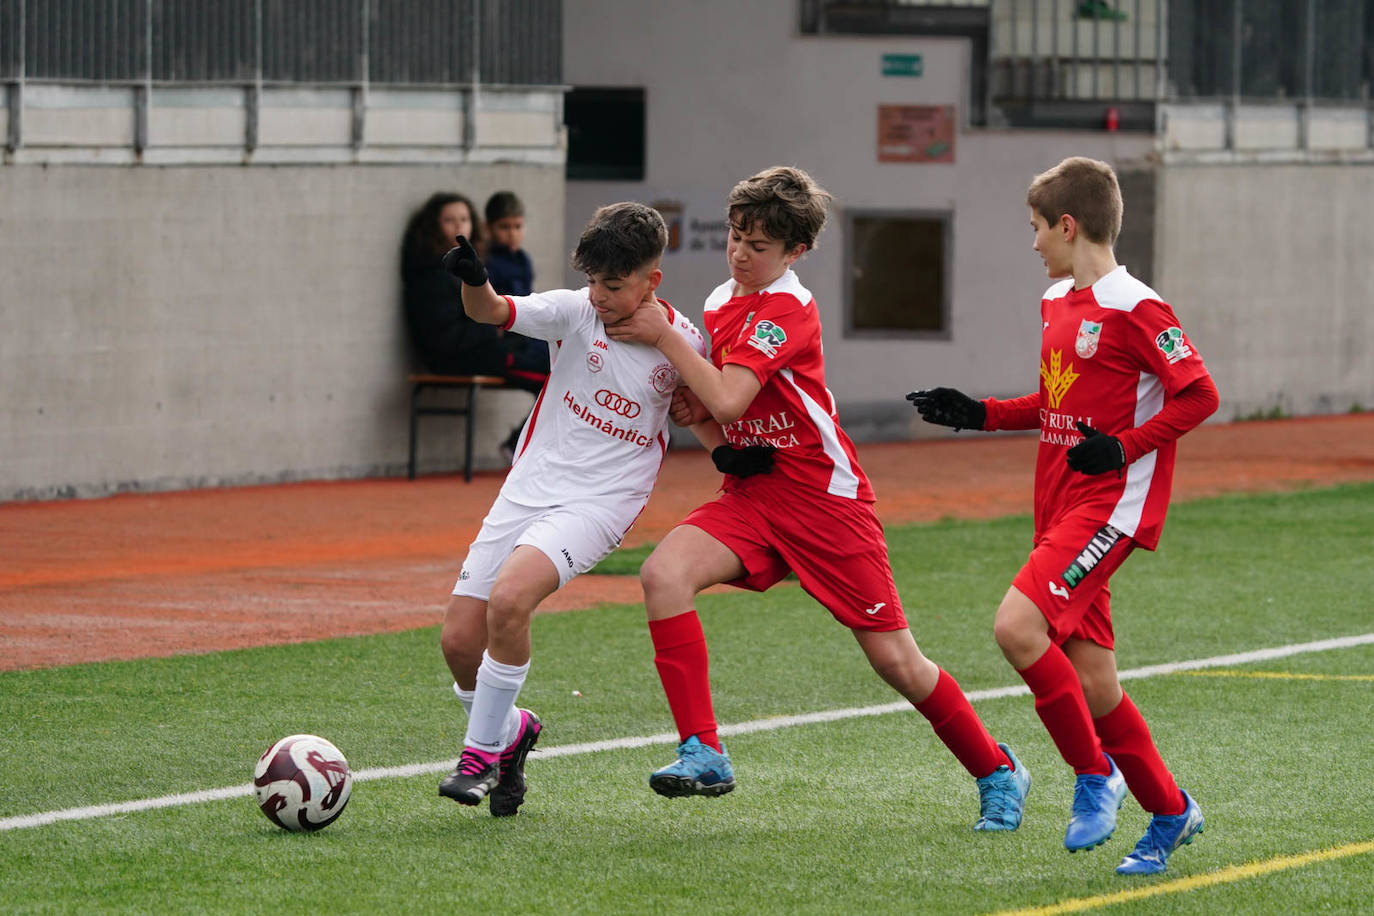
(835, 546)
(1066, 576)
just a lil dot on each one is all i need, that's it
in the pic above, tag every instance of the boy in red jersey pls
(794, 500)
(1119, 384)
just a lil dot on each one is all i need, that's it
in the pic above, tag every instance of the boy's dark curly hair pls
(620, 239)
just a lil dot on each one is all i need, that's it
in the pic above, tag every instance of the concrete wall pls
(732, 88)
(1269, 268)
(171, 318)
(1260, 245)
(196, 325)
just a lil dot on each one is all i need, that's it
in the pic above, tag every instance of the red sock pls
(683, 667)
(1059, 703)
(1127, 738)
(958, 726)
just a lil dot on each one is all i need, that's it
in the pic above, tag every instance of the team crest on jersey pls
(1057, 380)
(1173, 344)
(663, 378)
(595, 362)
(767, 338)
(1088, 334)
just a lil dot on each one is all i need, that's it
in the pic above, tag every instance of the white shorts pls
(575, 537)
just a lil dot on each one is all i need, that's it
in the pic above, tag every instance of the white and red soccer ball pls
(302, 783)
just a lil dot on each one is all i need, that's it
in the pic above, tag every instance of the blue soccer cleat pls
(1166, 833)
(1096, 799)
(1002, 795)
(698, 770)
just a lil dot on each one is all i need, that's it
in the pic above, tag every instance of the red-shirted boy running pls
(1119, 383)
(794, 500)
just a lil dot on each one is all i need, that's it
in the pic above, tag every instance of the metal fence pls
(1145, 50)
(1265, 49)
(1078, 49)
(388, 42)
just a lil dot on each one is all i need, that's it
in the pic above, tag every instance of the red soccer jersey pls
(776, 334)
(1109, 356)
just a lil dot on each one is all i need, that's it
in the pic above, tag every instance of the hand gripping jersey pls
(1109, 355)
(597, 429)
(776, 333)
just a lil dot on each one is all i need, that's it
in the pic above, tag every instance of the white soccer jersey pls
(598, 427)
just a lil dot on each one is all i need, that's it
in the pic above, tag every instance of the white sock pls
(493, 705)
(464, 697)
(512, 721)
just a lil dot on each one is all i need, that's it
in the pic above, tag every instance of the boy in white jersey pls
(794, 500)
(605, 405)
(1119, 383)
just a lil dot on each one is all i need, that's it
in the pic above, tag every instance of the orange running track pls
(157, 574)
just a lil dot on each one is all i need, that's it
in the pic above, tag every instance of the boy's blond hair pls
(1085, 189)
(785, 202)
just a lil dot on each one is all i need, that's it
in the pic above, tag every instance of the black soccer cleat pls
(471, 780)
(509, 793)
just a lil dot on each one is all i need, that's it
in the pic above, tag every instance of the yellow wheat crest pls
(1057, 382)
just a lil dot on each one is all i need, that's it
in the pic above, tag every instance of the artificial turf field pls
(846, 800)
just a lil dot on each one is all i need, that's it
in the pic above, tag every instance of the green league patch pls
(1173, 344)
(768, 338)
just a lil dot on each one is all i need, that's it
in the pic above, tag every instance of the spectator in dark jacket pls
(508, 265)
(448, 341)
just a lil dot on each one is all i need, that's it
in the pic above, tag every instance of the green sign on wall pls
(901, 65)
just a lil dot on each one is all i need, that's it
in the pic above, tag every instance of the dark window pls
(898, 265)
(605, 134)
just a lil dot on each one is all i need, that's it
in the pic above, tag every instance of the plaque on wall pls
(916, 133)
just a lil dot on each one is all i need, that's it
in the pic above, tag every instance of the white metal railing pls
(1078, 49)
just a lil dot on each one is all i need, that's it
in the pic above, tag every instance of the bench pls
(422, 382)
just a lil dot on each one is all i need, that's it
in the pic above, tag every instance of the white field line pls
(740, 728)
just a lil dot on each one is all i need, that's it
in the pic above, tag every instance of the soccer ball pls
(302, 783)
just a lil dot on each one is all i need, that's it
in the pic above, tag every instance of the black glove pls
(1098, 453)
(949, 407)
(743, 462)
(463, 263)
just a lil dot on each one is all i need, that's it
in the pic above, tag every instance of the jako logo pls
(618, 403)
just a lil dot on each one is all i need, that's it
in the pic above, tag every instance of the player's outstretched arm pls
(726, 393)
(741, 461)
(949, 407)
(480, 300)
(709, 434)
